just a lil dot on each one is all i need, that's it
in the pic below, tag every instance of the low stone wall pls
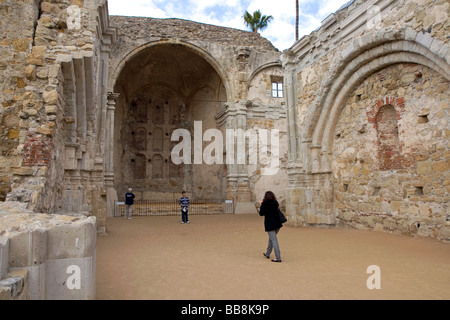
(46, 256)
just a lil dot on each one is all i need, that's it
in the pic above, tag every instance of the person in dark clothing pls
(184, 203)
(129, 201)
(272, 223)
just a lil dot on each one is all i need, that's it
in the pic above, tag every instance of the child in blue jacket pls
(184, 203)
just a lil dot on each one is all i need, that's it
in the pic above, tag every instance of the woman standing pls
(272, 223)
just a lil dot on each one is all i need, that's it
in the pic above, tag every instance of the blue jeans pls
(184, 215)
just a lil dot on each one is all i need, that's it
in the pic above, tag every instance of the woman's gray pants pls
(273, 244)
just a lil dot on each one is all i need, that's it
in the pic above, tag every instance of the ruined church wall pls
(243, 64)
(51, 52)
(373, 66)
(268, 113)
(17, 29)
(392, 172)
(50, 58)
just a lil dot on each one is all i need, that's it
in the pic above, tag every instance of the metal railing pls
(172, 208)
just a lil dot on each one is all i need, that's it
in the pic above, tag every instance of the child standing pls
(184, 203)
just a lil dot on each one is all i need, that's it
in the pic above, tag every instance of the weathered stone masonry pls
(170, 73)
(53, 55)
(88, 104)
(368, 119)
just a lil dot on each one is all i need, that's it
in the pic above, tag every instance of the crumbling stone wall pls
(390, 165)
(53, 57)
(368, 119)
(17, 27)
(52, 101)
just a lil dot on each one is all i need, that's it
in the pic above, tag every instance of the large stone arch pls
(175, 84)
(262, 68)
(386, 171)
(312, 192)
(117, 69)
(361, 59)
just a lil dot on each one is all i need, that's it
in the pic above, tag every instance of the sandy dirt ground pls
(219, 257)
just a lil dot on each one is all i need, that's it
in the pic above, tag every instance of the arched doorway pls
(163, 87)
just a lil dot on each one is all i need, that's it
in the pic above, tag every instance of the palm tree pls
(257, 21)
(296, 19)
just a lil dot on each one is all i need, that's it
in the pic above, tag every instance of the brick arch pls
(397, 103)
(385, 115)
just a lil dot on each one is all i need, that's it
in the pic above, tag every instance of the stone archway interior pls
(163, 88)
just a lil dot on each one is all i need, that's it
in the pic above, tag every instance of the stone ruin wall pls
(382, 160)
(244, 63)
(15, 48)
(397, 176)
(40, 61)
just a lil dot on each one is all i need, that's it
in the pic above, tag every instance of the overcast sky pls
(228, 13)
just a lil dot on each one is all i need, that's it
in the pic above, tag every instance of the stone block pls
(440, 166)
(37, 55)
(396, 205)
(424, 167)
(22, 171)
(28, 248)
(72, 240)
(30, 72)
(44, 130)
(424, 38)
(13, 134)
(4, 254)
(50, 97)
(378, 227)
(35, 281)
(349, 50)
(71, 279)
(70, 158)
(52, 109)
(21, 45)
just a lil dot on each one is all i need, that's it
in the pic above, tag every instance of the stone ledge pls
(44, 249)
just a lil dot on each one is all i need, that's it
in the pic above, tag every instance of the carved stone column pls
(111, 193)
(309, 196)
(237, 178)
(109, 139)
(295, 163)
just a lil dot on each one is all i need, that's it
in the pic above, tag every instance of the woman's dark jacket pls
(269, 209)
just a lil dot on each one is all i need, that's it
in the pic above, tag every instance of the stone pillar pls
(309, 196)
(289, 81)
(237, 178)
(109, 139)
(111, 193)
